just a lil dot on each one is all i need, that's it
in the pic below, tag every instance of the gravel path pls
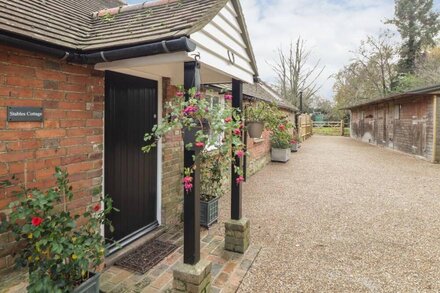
(343, 216)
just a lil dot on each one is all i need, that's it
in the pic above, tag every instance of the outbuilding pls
(408, 122)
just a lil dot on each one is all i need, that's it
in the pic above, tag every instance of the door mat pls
(146, 256)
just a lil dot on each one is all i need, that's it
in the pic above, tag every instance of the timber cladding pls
(406, 124)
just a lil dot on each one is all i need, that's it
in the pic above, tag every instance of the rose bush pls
(58, 251)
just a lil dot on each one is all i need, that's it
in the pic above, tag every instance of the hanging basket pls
(255, 129)
(190, 134)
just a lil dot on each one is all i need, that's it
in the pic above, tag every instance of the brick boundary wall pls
(71, 135)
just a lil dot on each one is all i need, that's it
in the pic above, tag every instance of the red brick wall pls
(71, 135)
(172, 165)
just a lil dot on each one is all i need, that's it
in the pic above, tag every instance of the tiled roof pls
(92, 24)
(257, 91)
(431, 90)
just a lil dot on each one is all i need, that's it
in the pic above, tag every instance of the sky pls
(332, 30)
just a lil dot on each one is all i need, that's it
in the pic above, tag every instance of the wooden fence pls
(335, 127)
(305, 125)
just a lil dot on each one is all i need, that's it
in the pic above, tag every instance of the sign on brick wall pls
(25, 114)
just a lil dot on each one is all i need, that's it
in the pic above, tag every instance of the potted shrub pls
(281, 143)
(218, 127)
(255, 116)
(212, 188)
(61, 254)
(294, 144)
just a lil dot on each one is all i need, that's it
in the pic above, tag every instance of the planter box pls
(294, 147)
(255, 129)
(280, 155)
(208, 212)
(89, 286)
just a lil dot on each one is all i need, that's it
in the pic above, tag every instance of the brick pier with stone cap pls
(237, 235)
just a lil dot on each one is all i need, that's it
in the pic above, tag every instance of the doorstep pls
(228, 268)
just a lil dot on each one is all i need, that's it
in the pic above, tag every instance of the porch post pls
(236, 190)
(193, 275)
(191, 199)
(237, 228)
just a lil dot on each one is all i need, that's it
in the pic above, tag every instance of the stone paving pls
(228, 268)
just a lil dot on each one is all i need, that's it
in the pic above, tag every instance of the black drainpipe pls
(175, 45)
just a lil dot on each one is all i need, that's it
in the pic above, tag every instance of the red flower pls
(200, 144)
(282, 127)
(97, 208)
(198, 95)
(190, 110)
(228, 97)
(36, 221)
(179, 94)
(239, 153)
(187, 182)
(229, 119)
(237, 131)
(240, 179)
(293, 142)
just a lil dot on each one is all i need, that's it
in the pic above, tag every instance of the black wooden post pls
(236, 190)
(191, 199)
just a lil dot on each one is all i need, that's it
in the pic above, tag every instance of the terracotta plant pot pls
(255, 129)
(89, 286)
(280, 155)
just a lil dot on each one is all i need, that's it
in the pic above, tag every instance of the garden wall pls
(71, 135)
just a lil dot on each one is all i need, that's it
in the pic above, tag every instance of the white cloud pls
(332, 28)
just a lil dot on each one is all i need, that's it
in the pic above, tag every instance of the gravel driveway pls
(343, 216)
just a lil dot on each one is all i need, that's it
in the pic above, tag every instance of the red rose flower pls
(97, 208)
(237, 131)
(36, 221)
(200, 144)
(179, 94)
(229, 119)
(282, 127)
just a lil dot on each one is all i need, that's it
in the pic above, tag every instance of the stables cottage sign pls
(25, 114)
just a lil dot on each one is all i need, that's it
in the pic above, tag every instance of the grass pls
(330, 131)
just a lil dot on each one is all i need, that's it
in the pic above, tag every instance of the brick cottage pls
(100, 77)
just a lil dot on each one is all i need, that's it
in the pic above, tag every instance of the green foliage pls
(57, 250)
(213, 169)
(418, 25)
(281, 129)
(257, 112)
(218, 127)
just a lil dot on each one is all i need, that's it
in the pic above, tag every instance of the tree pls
(418, 26)
(296, 73)
(370, 74)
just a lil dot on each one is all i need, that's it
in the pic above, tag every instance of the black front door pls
(130, 175)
